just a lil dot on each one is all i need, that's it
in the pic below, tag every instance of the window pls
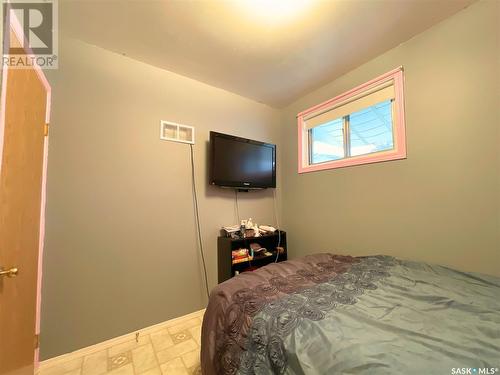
(363, 125)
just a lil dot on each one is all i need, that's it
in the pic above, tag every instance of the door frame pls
(16, 28)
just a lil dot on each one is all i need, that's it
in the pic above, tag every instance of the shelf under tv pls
(225, 245)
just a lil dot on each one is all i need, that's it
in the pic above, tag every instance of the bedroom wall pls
(442, 203)
(120, 251)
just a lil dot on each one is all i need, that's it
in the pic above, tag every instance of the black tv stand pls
(226, 268)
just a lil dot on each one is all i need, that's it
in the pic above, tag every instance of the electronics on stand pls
(247, 229)
(242, 251)
(267, 228)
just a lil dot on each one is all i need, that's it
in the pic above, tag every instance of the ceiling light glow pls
(274, 11)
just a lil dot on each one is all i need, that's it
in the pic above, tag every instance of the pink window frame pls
(399, 150)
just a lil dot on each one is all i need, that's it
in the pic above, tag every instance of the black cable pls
(198, 220)
(277, 226)
(237, 206)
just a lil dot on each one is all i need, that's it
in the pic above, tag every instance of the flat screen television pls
(241, 163)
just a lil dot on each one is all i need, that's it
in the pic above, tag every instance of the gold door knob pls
(9, 273)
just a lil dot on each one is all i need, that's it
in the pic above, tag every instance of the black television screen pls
(241, 163)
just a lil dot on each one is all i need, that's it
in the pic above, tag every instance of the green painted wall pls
(442, 204)
(121, 251)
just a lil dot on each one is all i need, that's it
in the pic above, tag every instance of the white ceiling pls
(219, 43)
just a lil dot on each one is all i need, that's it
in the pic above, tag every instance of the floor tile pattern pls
(174, 350)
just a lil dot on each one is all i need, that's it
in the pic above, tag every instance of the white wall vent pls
(171, 131)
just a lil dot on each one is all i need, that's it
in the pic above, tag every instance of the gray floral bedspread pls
(328, 314)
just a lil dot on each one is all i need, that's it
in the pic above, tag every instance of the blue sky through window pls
(327, 142)
(370, 131)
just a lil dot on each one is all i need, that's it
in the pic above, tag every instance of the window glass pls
(371, 129)
(327, 142)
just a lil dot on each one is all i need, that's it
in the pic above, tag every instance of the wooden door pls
(24, 106)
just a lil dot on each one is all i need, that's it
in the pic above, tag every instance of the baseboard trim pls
(51, 362)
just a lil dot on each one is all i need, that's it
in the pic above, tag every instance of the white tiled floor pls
(174, 350)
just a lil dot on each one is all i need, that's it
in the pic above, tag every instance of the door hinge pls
(46, 130)
(37, 341)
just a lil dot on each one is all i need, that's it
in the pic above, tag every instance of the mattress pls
(329, 314)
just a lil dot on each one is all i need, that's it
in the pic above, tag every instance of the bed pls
(330, 314)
